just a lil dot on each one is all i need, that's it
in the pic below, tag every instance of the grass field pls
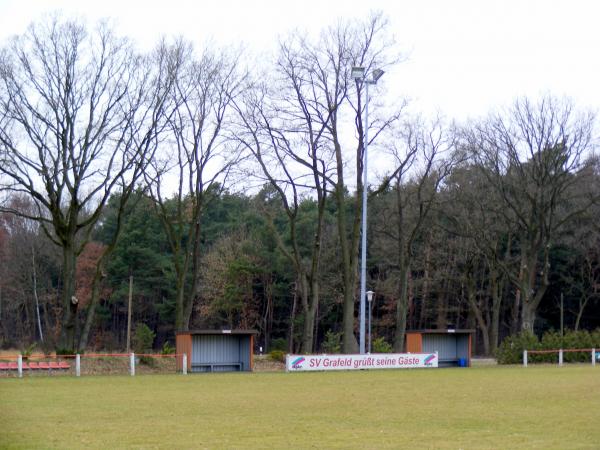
(489, 407)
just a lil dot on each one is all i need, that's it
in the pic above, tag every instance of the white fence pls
(594, 355)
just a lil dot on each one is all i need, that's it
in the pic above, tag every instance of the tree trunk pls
(527, 317)
(476, 310)
(91, 310)
(310, 317)
(188, 300)
(516, 309)
(442, 309)
(66, 343)
(349, 343)
(401, 307)
(496, 288)
(292, 320)
(425, 295)
(35, 294)
(180, 322)
(531, 300)
(188, 308)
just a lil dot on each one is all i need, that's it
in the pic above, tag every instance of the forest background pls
(232, 198)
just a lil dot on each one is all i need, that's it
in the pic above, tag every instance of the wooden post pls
(129, 314)
(20, 365)
(77, 365)
(593, 357)
(184, 365)
(524, 358)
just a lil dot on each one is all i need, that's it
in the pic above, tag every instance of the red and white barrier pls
(18, 364)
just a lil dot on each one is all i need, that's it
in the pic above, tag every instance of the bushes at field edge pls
(511, 349)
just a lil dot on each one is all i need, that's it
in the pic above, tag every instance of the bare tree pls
(340, 48)
(198, 157)
(532, 157)
(422, 161)
(285, 130)
(78, 117)
(487, 242)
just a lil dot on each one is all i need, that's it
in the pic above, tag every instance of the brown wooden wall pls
(183, 344)
(414, 342)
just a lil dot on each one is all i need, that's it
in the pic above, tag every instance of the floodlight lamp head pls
(377, 73)
(358, 73)
(370, 295)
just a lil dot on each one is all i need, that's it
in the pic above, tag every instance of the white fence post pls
(184, 364)
(132, 364)
(593, 357)
(524, 358)
(77, 365)
(20, 365)
(560, 357)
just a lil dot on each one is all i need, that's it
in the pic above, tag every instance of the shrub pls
(379, 345)
(277, 355)
(511, 349)
(143, 339)
(577, 339)
(47, 347)
(332, 342)
(27, 351)
(65, 351)
(167, 349)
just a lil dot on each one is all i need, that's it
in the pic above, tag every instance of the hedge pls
(511, 349)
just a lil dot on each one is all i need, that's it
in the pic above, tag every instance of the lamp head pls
(370, 295)
(377, 73)
(358, 73)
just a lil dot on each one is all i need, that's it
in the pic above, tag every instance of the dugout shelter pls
(216, 350)
(453, 346)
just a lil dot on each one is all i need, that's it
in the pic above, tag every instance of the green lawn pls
(487, 407)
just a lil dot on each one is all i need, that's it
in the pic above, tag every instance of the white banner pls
(303, 363)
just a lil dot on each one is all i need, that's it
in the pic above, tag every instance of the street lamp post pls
(358, 73)
(370, 299)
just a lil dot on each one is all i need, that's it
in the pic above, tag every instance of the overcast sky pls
(463, 57)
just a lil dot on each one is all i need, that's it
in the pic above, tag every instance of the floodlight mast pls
(358, 74)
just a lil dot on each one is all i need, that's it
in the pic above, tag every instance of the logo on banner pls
(297, 363)
(429, 360)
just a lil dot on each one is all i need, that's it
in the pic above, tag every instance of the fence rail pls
(560, 352)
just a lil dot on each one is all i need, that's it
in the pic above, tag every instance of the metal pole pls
(184, 364)
(77, 365)
(20, 365)
(363, 266)
(593, 357)
(524, 358)
(129, 314)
